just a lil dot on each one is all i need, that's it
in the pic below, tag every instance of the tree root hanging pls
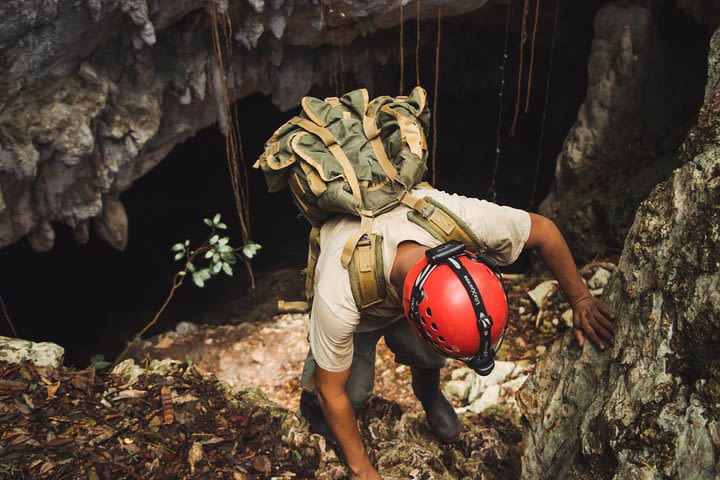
(523, 40)
(435, 98)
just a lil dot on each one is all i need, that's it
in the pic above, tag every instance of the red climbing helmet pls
(456, 304)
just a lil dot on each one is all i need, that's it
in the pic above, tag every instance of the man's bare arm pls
(340, 416)
(591, 316)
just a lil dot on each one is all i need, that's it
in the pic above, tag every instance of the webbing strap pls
(410, 132)
(313, 254)
(354, 238)
(285, 306)
(367, 280)
(433, 217)
(333, 101)
(373, 134)
(431, 213)
(322, 132)
(331, 143)
(317, 185)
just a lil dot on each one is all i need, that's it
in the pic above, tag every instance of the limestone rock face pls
(637, 109)
(96, 93)
(648, 407)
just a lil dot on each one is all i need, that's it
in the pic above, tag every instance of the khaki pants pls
(399, 337)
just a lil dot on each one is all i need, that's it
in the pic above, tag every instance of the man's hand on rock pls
(593, 318)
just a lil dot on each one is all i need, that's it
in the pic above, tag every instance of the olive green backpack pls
(350, 155)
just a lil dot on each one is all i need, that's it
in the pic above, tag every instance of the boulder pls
(42, 354)
(647, 408)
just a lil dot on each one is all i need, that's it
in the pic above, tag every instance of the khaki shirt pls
(335, 317)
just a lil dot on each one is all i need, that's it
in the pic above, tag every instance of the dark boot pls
(441, 416)
(310, 409)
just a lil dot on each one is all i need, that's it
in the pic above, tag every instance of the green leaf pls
(207, 222)
(216, 219)
(216, 257)
(190, 267)
(99, 362)
(223, 241)
(187, 243)
(179, 255)
(227, 269)
(224, 249)
(178, 247)
(181, 273)
(250, 249)
(217, 267)
(205, 274)
(221, 226)
(198, 280)
(210, 253)
(214, 239)
(188, 360)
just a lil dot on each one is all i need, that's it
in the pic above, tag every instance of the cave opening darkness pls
(92, 299)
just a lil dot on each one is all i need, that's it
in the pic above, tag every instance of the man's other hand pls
(593, 318)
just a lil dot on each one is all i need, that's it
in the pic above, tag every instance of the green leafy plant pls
(216, 251)
(98, 361)
(203, 262)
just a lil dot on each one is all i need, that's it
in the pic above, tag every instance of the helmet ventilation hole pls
(434, 326)
(422, 320)
(428, 312)
(441, 338)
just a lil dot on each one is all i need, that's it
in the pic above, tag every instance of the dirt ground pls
(269, 354)
(178, 422)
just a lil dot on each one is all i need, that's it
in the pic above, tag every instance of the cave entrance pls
(91, 299)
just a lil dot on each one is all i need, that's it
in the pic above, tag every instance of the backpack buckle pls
(427, 211)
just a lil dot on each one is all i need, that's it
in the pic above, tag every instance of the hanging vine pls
(523, 40)
(532, 56)
(337, 57)
(435, 98)
(402, 48)
(221, 29)
(492, 194)
(547, 99)
(417, 43)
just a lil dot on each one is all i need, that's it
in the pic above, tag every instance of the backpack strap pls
(331, 143)
(313, 254)
(354, 238)
(440, 221)
(373, 134)
(363, 253)
(367, 275)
